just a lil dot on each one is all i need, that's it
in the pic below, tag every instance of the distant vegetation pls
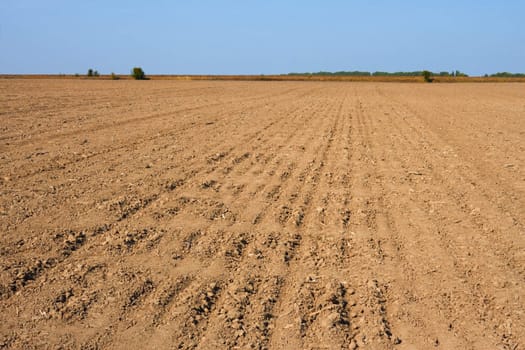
(385, 74)
(508, 75)
(138, 74)
(427, 75)
(92, 73)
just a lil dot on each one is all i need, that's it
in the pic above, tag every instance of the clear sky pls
(261, 36)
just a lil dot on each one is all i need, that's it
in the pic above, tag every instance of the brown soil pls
(282, 215)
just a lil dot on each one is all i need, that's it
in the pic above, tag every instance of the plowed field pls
(279, 215)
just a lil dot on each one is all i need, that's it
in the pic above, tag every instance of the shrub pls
(427, 75)
(114, 76)
(138, 74)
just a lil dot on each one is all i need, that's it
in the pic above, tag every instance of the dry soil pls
(279, 215)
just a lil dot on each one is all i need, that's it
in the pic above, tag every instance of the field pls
(284, 215)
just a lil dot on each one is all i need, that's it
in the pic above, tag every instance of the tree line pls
(507, 75)
(137, 73)
(456, 73)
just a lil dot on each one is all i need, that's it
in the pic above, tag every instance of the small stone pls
(234, 314)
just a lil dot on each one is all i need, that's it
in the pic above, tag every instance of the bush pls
(92, 73)
(114, 76)
(427, 75)
(138, 74)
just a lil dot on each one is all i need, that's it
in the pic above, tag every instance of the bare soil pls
(280, 215)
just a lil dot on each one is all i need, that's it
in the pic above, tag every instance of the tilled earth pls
(254, 215)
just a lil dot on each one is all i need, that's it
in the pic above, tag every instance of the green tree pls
(138, 74)
(90, 72)
(427, 75)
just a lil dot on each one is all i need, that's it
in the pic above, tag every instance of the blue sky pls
(261, 37)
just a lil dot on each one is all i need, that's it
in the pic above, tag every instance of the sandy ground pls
(279, 215)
